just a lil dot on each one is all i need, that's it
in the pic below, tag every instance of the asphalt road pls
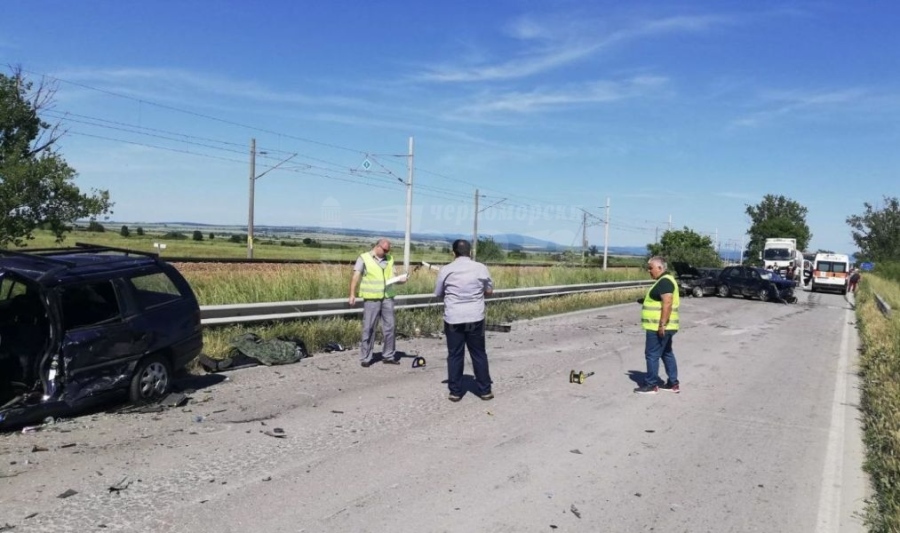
(764, 437)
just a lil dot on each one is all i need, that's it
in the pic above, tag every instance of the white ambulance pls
(830, 272)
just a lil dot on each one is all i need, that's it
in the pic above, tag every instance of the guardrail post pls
(883, 306)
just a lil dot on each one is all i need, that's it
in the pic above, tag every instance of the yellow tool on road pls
(579, 377)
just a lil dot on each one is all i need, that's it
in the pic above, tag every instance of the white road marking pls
(830, 497)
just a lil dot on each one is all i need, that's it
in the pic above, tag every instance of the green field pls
(326, 247)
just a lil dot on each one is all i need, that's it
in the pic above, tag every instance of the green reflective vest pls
(652, 309)
(372, 286)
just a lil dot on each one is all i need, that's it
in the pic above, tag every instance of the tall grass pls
(216, 283)
(880, 380)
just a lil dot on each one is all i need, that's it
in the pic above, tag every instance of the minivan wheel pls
(697, 292)
(152, 380)
(763, 294)
(724, 292)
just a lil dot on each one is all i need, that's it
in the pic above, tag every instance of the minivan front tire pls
(152, 380)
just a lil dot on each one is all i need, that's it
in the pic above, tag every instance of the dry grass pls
(221, 283)
(880, 379)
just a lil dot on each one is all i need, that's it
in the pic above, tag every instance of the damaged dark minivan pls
(78, 324)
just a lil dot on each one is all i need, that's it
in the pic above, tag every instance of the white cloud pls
(558, 43)
(782, 103)
(157, 84)
(601, 91)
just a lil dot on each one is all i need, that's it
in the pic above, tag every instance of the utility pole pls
(252, 190)
(670, 222)
(475, 228)
(742, 250)
(409, 184)
(718, 248)
(253, 178)
(583, 235)
(606, 234)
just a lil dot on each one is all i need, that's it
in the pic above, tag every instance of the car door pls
(98, 344)
(731, 277)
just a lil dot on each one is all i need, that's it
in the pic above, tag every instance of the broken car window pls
(88, 304)
(154, 289)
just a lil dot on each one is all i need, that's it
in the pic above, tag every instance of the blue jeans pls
(657, 347)
(460, 336)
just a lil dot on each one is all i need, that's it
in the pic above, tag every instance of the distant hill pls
(508, 241)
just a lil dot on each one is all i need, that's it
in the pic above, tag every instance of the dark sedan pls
(755, 282)
(695, 281)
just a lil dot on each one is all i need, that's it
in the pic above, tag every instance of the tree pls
(197, 235)
(139, 231)
(593, 250)
(36, 183)
(877, 231)
(773, 217)
(212, 235)
(686, 246)
(125, 232)
(488, 250)
(96, 227)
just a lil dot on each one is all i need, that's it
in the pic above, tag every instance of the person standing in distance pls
(371, 273)
(659, 318)
(463, 284)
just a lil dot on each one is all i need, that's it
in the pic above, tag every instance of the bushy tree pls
(212, 235)
(139, 231)
(773, 217)
(125, 232)
(197, 235)
(593, 250)
(36, 183)
(686, 246)
(876, 232)
(489, 250)
(96, 227)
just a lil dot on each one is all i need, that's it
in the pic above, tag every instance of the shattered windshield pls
(776, 254)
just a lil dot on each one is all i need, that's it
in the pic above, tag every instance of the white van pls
(831, 272)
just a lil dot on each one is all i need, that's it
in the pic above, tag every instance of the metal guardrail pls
(883, 306)
(266, 311)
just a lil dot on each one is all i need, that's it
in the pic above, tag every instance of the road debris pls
(67, 494)
(576, 451)
(120, 486)
(37, 448)
(575, 511)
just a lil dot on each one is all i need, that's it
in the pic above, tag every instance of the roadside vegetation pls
(879, 371)
(220, 283)
(318, 332)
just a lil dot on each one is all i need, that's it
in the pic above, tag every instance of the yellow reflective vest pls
(372, 286)
(651, 311)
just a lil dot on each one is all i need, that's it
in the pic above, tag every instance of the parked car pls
(77, 324)
(695, 281)
(755, 282)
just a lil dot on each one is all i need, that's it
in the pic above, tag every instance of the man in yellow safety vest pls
(372, 275)
(659, 318)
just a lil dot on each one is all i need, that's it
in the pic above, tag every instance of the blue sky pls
(681, 111)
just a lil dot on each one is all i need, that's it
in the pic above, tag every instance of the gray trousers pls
(372, 310)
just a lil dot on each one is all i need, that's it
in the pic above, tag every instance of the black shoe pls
(390, 362)
(365, 364)
(486, 397)
(647, 389)
(671, 387)
(454, 398)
